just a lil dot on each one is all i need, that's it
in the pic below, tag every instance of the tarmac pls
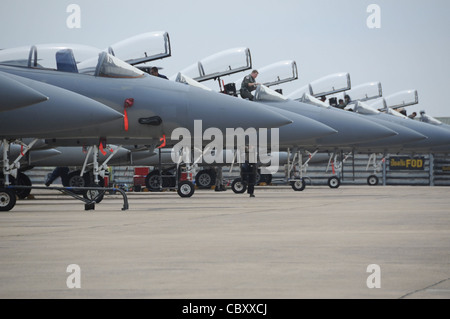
(320, 243)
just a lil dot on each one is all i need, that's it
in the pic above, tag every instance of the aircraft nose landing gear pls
(7, 199)
(334, 182)
(298, 186)
(372, 180)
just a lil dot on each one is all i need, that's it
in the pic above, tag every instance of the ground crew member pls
(248, 85)
(248, 176)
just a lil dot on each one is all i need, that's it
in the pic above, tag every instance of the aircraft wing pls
(14, 94)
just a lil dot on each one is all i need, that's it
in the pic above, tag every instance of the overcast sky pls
(410, 50)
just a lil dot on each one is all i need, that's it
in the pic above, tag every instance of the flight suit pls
(248, 175)
(246, 89)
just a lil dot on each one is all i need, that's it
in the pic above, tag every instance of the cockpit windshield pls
(395, 113)
(112, 67)
(363, 108)
(47, 56)
(182, 78)
(309, 99)
(263, 93)
(429, 119)
(69, 58)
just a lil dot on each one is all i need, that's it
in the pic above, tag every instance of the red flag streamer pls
(332, 166)
(163, 140)
(100, 147)
(125, 119)
(128, 103)
(21, 150)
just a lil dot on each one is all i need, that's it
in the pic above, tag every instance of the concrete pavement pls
(282, 244)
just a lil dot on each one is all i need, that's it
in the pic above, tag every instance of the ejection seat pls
(65, 61)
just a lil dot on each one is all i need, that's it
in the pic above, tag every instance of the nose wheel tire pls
(372, 180)
(186, 189)
(238, 186)
(298, 186)
(7, 199)
(334, 182)
(95, 195)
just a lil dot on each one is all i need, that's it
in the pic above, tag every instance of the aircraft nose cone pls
(352, 128)
(436, 137)
(223, 111)
(405, 135)
(63, 111)
(301, 129)
(15, 94)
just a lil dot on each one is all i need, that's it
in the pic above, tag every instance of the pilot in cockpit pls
(341, 104)
(155, 72)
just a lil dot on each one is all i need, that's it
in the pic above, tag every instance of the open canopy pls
(363, 92)
(398, 100)
(220, 64)
(142, 48)
(69, 58)
(275, 73)
(327, 85)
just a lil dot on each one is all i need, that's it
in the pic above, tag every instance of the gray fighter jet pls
(304, 128)
(436, 136)
(431, 140)
(431, 120)
(348, 130)
(144, 108)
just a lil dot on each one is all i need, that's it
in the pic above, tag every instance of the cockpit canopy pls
(429, 119)
(397, 100)
(330, 84)
(69, 58)
(220, 64)
(142, 48)
(363, 92)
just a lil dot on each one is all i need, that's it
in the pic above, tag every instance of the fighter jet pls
(148, 107)
(282, 72)
(436, 136)
(340, 121)
(431, 120)
(301, 129)
(412, 137)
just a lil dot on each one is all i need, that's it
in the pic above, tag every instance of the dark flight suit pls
(62, 172)
(248, 175)
(246, 89)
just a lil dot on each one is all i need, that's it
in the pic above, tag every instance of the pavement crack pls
(422, 289)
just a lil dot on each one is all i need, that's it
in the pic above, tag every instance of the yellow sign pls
(407, 163)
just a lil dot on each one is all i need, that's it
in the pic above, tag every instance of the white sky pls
(411, 50)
